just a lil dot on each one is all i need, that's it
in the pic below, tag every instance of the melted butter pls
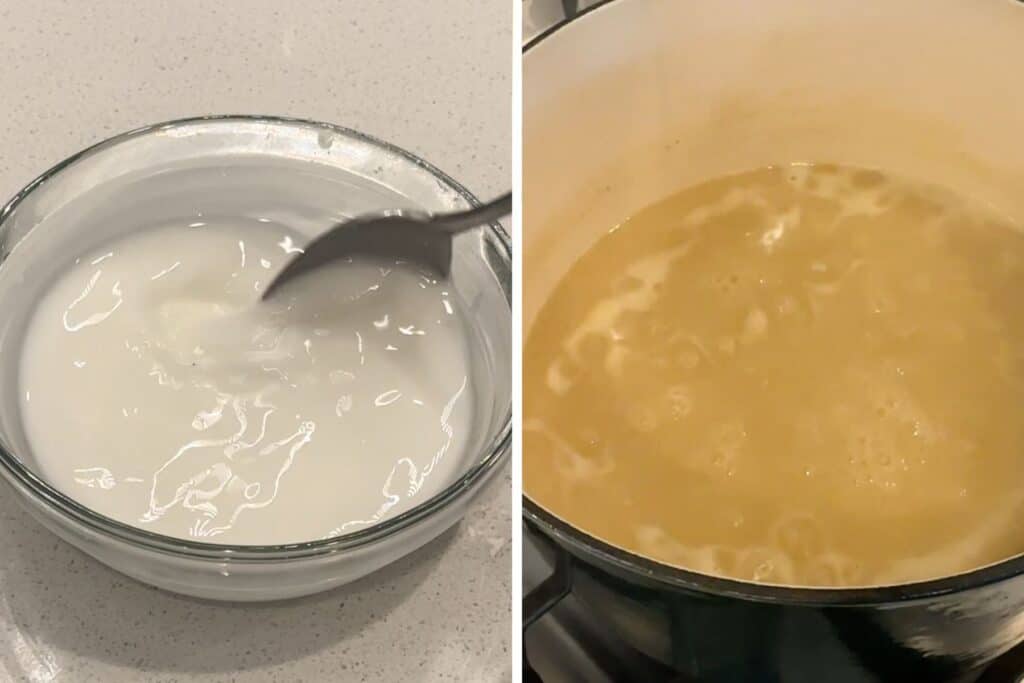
(159, 392)
(806, 375)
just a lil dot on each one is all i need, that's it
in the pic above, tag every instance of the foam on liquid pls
(158, 392)
(806, 375)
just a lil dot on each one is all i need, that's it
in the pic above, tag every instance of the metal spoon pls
(415, 236)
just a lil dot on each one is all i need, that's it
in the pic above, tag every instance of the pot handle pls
(551, 590)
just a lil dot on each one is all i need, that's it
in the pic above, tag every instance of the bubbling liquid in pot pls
(159, 391)
(803, 375)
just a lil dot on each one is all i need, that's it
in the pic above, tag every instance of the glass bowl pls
(234, 165)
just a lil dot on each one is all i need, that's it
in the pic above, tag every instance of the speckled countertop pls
(434, 78)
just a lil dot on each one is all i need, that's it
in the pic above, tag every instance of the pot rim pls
(589, 547)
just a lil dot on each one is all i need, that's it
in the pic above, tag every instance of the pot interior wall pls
(641, 98)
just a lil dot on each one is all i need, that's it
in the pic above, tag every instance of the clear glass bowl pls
(234, 165)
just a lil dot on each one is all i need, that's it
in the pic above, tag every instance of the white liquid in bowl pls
(158, 392)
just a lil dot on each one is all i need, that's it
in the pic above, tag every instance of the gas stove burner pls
(569, 645)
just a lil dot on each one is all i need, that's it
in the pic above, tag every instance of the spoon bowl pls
(413, 236)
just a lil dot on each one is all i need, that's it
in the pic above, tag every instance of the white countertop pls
(434, 78)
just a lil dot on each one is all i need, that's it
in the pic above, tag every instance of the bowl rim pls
(594, 550)
(494, 452)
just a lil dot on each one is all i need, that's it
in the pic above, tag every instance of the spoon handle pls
(477, 216)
